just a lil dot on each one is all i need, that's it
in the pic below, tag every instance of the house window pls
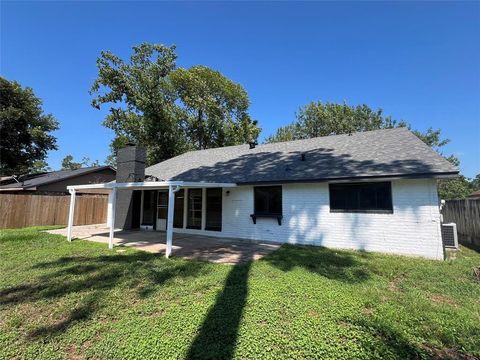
(213, 218)
(178, 209)
(361, 197)
(268, 200)
(194, 216)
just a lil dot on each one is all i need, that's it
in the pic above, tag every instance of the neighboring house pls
(373, 191)
(474, 195)
(56, 182)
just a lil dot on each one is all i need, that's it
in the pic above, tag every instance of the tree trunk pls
(200, 130)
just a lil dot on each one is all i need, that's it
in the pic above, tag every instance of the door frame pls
(160, 226)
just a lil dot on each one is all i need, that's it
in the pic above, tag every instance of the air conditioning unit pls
(449, 235)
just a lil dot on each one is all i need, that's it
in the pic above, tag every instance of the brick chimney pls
(130, 168)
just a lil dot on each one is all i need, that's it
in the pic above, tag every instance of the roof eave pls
(94, 169)
(444, 175)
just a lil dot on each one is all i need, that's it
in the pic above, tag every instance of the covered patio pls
(112, 188)
(213, 249)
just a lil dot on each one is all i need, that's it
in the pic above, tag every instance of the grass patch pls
(80, 300)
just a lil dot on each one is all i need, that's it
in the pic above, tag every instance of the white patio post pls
(109, 209)
(112, 199)
(71, 214)
(171, 204)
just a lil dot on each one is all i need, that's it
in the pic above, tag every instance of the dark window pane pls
(268, 200)
(384, 197)
(162, 213)
(162, 198)
(178, 209)
(361, 197)
(148, 207)
(194, 215)
(261, 200)
(367, 197)
(213, 219)
(275, 200)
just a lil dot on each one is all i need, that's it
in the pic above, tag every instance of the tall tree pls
(319, 119)
(25, 130)
(457, 188)
(476, 183)
(142, 99)
(40, 166)
(69, 164)
(433, 138)
(215, 108)
(169, 110)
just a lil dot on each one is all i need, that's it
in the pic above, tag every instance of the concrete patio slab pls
(213, 249)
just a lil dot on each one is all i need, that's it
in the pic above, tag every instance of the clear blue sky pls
(417, 61)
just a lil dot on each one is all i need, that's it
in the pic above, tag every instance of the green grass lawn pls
(80, 300)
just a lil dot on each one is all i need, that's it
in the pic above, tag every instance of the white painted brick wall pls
(412, 229)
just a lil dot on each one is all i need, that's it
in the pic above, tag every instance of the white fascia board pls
(206, 184)
(19, 189)
(90, 186)
(148, 185)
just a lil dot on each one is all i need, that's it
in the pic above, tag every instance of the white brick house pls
(412, 229)
(372, 191)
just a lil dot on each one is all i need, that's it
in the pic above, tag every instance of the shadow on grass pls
(217, 336)
(81, 313)
(332, 264)
(94, 275)
(470, 246)
(393, 342)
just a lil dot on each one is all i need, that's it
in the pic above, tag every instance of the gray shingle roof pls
(32, 181)
(379, 153)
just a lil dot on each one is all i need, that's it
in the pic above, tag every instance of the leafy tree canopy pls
(319, 119)
(168, 110)
(69, 164)
(457, 188)
(25, 130)
(40, 166)
(215, 108)
(323, 119)
(476, 183)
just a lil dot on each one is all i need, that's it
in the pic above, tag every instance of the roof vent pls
(252, 144)
(303, 157)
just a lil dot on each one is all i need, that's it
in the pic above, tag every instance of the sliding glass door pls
(162, 209)
(178, 209)
(194, 215)
(213, 220)
(194, 208)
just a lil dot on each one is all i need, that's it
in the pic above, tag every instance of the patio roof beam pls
(148, 185)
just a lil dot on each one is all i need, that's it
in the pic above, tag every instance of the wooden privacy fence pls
(466, 214)
(17, 211)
